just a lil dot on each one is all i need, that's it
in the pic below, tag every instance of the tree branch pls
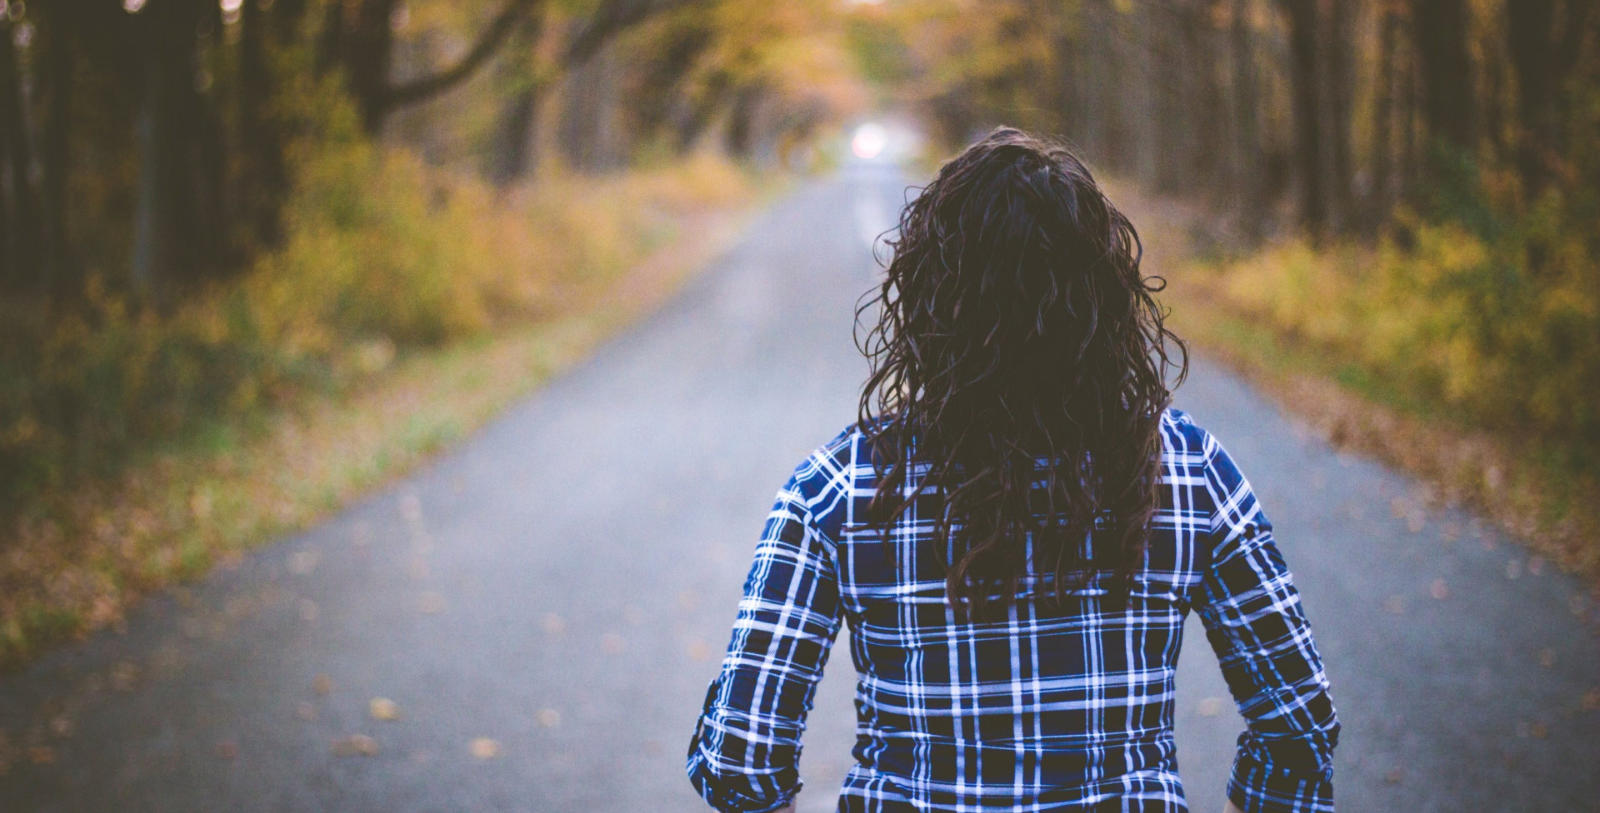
(614, 17)
(489, 41)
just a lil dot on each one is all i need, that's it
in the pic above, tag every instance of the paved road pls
(563, 583)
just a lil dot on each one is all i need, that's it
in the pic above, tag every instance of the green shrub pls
(1496, 322)
(382, 254)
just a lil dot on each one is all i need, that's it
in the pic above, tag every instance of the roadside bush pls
(382, 254)
(1500, 325)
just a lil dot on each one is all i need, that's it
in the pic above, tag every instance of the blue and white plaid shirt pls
(1070, 709)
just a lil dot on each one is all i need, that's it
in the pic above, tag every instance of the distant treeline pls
(207, 206)
(1347, 106)
(152, 140)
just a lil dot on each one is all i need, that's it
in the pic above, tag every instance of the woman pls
(1014, 531)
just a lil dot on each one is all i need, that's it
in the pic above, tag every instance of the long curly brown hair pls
(1015, 344)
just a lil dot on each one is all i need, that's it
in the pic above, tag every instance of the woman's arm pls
(745, 751)
(1255, 623)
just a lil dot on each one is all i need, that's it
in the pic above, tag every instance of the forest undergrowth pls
(405, 307)
(1430, 348)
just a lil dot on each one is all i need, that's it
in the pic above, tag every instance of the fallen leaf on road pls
(549, 718)
(418, 568)
(1395, 604)
(308, 610)
(61, 725)
(553, 623)
(227, 749)
(305, 711)
(431, 603)
(382, 708)
(612, 643)
(1439, 589)
(1539, 731)
(1393, 776)
(302, 562)
(239, 607)
(355, 745)
(42, 755)
(485, 748)
(1210, 707)
(1591, 700)
(322, 684)
(123, 675)
(411, 508)
(699, 650)
(1547, 657)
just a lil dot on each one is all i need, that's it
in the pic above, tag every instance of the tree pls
(19, 204)
(1449, 102)
(1336, 48)
(1246, 179)
(1544, 47)
(169, 120)
(1308, 129)
(362, 43)
(1388, 78)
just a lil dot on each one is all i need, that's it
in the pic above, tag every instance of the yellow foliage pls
(1448, 317)
(382, 253)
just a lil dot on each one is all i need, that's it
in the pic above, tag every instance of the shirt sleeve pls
(744, 755)
(1255, 623)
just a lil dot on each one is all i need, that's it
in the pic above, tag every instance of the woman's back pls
(1059, 705)
(1013, 530)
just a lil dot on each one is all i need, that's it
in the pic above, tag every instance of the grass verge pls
(1529, 485)
(82, 556)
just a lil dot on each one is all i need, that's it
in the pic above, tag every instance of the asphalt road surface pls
(563, 583)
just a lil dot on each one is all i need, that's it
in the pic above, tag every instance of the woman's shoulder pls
(828, 465)
(1184, 438)
(852, 442)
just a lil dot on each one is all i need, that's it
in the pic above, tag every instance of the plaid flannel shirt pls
(1068, 708)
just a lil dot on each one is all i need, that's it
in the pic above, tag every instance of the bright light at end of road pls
(869, 141)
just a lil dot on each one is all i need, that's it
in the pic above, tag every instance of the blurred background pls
(258, 257)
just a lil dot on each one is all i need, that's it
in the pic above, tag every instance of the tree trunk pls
(1338, 46)
(1308, 131)
(167, 118)
(1449, 104)
(512, 157)
(1247, 181)
(1172, 75)
(739, 137)
(59, 265)
(264, 178)
(1529, 35)
(1380, 194)
(331, 37)
(22, 247)
(1203, 103)
(288, 17)
(368, 55)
